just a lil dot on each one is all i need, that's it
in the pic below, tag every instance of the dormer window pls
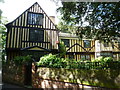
(35, 18)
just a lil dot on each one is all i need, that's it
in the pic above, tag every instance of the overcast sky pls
(13, 8)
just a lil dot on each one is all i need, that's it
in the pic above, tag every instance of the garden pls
(101, 72)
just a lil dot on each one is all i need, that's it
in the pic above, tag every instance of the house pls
(78, 49)
(88, 49)
(107, 49)
(33, 33)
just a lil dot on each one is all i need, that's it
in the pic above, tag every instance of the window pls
(37, 35)
(66, 42)
(115, 56)
(35, 18)
(119, 45)
(85, 57)
(106, 44)
(106, 54)
(71, 56)
(119, 55)
(87, 44)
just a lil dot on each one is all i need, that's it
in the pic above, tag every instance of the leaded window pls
(71, 56)
(66, 42)
(106, 54)
(37, 35)
(87, 43)
(106, 44)
(119, 45)
(85, 57)
(35, 18)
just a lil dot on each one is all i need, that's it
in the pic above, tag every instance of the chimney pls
(52, 19)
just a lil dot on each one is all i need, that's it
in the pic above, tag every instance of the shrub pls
(22, 59)
(99, 59)
(54, 61)
(108, 59)
(62, 49)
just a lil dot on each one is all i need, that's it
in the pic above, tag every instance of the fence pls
(99, 65)
(95, 65)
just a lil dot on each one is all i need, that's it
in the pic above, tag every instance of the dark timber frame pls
(18, 32)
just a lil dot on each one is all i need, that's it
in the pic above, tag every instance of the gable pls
(38, 48)
(32, 27)
(36, 12)
(82, 49)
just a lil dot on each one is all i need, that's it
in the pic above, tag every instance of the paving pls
(6, 86)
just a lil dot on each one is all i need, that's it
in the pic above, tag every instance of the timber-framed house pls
(33, 32)
(88, 49)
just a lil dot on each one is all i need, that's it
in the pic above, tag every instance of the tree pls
(103, 19)
(3, 37)
(1, 10)
(62, 26)
(3, 21)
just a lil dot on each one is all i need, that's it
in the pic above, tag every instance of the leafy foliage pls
(19, 60)
(53, 61)
(62, 26)
(103, 19)
(3, 35)
(62, 49)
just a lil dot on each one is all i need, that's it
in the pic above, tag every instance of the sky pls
(13, 8)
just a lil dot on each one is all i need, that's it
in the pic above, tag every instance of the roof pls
(35, 48)
(61, 34)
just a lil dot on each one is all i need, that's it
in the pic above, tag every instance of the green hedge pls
(54, 61)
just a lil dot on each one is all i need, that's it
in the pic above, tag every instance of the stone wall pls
(74, 78)
(12, 73)
(43, 77)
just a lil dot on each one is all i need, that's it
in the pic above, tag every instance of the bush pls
(19, 60)
(62, 49)
(54, 61)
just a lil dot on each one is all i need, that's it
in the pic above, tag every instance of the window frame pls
(37, 36)
(85, 46)
(119, 45)
(29, 18)
(68, 42)
(85, 57)
(106, 54)
(106, 44)
(71, 56)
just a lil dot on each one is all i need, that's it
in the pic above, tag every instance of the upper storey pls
(33, 17)
(33, 28)
(73, 44)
